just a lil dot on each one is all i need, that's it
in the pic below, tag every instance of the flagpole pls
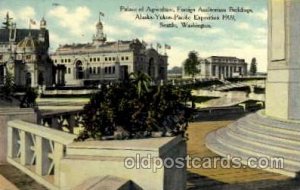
(29, 25)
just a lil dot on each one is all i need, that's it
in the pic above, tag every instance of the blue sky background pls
(73, 21)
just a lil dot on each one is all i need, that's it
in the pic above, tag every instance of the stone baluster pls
(54, 122)
(12, 146)
(71, 122)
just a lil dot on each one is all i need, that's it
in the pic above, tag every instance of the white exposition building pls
(221, 67)
(100, 60)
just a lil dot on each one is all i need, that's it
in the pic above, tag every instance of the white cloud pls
(176, 56)
(181, 40)
(22, 16)
(75, 21)
(117, 31)
(26, 13)
(150, 38)
(262, 31)
(147, 25)
(243, 26)
(262, 15)
(56, 40)
(5, 11)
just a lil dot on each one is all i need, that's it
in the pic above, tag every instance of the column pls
(117, 70)
(58, 154)
(42, 160)
(56, 76)
(283, 82)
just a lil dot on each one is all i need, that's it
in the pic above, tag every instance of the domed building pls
(102, 60)
(24, 54)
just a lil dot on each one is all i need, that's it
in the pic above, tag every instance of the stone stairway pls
(258, 136)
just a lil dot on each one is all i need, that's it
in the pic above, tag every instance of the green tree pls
(7, 21)
(8, 87)
(29, 99)
(191, 64)
(121, 111)
(141, 81)
(253, 66)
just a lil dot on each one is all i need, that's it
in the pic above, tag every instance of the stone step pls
(269, 139)
(259, 136)
(273, 151)
(268, 130)
(222, 149)
(259, 118)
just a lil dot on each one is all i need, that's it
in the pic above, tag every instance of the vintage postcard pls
(149, 94)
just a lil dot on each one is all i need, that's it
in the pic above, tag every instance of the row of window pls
(226, 70)
(95, 59)
(228, 60)
(108, 59)
(97, 70)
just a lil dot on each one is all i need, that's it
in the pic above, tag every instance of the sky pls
(73, 21)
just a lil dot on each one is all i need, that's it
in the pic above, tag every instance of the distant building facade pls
(221, 67)
(175, 73)
(24, 54)
(100, 60)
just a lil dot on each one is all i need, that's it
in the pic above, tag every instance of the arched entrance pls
(41, 78)
(2, 74)
(28, 79)
(151, 68)
(79, 70)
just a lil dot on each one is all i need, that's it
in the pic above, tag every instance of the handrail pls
(48, 133)
(37, 151)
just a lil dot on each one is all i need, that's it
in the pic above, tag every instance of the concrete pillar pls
(42, 160)
(26, 153)
(71, 122)
(11, 145)
(54, 122)
(4, 74)
(283, 82)
(56, 76)
(117, 71)
(35, 77)
(57, 156)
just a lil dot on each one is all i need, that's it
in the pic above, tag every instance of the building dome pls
(99, 25)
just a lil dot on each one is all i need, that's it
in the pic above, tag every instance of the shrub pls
(134, 109)
(28, 100)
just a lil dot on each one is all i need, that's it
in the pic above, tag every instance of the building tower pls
(43, 24)
(99, 37)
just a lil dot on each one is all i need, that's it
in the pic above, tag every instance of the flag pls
(32, 22)
(101, 13)
(167, 46)
(158, 45)
(55, 4)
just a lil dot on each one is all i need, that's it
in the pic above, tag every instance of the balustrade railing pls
(64, 120)
(37, 151)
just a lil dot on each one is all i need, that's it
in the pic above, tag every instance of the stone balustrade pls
(37, 151)
(69, 92)
(63, 120)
